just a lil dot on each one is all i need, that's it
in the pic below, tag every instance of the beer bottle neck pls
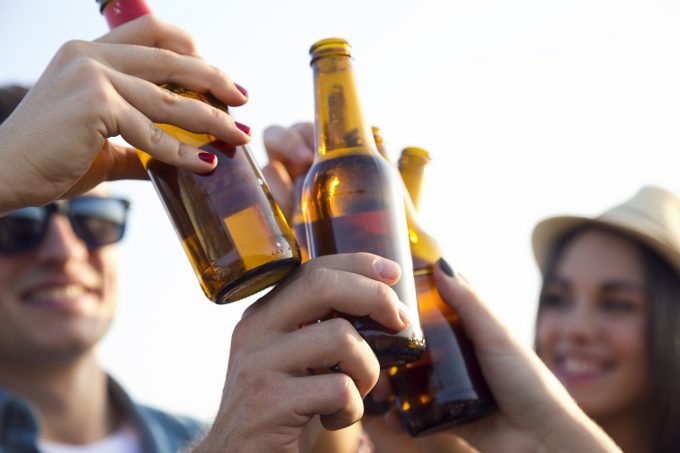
(412, 165)
(118, 12)
(339, 121)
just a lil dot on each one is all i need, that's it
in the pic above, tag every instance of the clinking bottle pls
(234, 234)
(352, 201)
(445, 387)
(412, 163)
(297, 222)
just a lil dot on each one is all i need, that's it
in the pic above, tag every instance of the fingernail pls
(241, 89)
(242, 127)
(207, 157)
(446, 267)
(404, 316)
(389, 270)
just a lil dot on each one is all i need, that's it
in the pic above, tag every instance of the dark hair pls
(662, 334)
(10, 97)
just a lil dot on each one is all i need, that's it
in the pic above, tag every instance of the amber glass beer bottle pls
(352, 201)
(234, 234)
(445, 387)
(412, 165)
(298, 221)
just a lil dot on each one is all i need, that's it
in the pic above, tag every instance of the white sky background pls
(529, 109)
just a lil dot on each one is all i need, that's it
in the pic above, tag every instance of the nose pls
(61, 244)
(580, 324)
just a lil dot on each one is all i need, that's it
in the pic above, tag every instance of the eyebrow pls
(613, 285)
(609, 285)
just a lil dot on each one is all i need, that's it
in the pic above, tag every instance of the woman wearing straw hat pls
(608, 320)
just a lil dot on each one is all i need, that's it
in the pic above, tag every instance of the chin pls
(60, 346)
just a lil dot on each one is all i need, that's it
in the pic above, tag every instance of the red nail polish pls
(243, 127)
(207, 157)
(241, 89)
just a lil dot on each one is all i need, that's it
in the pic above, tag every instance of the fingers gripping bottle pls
(233, 232)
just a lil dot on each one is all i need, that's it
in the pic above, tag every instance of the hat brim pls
(549, 231)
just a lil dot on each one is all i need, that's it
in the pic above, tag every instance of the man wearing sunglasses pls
(57, 299)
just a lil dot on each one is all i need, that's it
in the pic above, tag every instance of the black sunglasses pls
(97, 221)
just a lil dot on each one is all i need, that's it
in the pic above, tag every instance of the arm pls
(56, 139)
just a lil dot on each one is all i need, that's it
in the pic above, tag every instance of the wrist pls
(221, 438)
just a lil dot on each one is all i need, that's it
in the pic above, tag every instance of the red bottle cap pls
(117, 12)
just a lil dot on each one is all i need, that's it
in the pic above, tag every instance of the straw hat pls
(652, 217)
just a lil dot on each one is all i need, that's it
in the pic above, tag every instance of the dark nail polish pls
(446, 267)
(241, 89)
(207, 157)
(243, 127)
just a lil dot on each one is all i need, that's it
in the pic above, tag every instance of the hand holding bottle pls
(55, 143)
(535, 410)
(282, 376)
(291, 153)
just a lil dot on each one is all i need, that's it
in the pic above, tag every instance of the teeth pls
(580, 366)
(59, 292)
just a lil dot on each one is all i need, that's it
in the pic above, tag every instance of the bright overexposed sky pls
(530, 108)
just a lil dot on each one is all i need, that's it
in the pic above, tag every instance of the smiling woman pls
(609, 316)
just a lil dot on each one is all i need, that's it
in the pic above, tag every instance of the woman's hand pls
(535, 411)
(55, 143)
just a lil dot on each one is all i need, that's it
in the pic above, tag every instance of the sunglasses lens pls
(98, 221)
(22, 229)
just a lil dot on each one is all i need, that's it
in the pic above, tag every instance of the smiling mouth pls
(578, 369)
(66, 297)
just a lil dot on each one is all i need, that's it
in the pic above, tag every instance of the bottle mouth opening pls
(330, 47)
(416, 152)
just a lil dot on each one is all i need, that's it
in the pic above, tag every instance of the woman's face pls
(591, 324)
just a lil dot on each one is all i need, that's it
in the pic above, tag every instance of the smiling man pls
(57, 300)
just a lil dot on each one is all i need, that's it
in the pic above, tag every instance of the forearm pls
(10, 182)
(572, 430)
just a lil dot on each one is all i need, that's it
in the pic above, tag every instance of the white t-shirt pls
(124, 440)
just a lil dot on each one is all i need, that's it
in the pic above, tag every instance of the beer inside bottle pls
(298, 220)
(351, 197)
(445, 387)
(233, 232)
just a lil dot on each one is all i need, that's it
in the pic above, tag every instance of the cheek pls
(105, 261)
(628, 339)
(547, 335)
(12, 273)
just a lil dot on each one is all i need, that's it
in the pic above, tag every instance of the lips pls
(60, 295)
(581, 368)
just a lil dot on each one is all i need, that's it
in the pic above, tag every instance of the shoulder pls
(175, 431)
(174, 422)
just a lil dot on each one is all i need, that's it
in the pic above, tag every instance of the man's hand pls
(291, 153)
(281, 375)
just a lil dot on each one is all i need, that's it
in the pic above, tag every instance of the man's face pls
(57, 299)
